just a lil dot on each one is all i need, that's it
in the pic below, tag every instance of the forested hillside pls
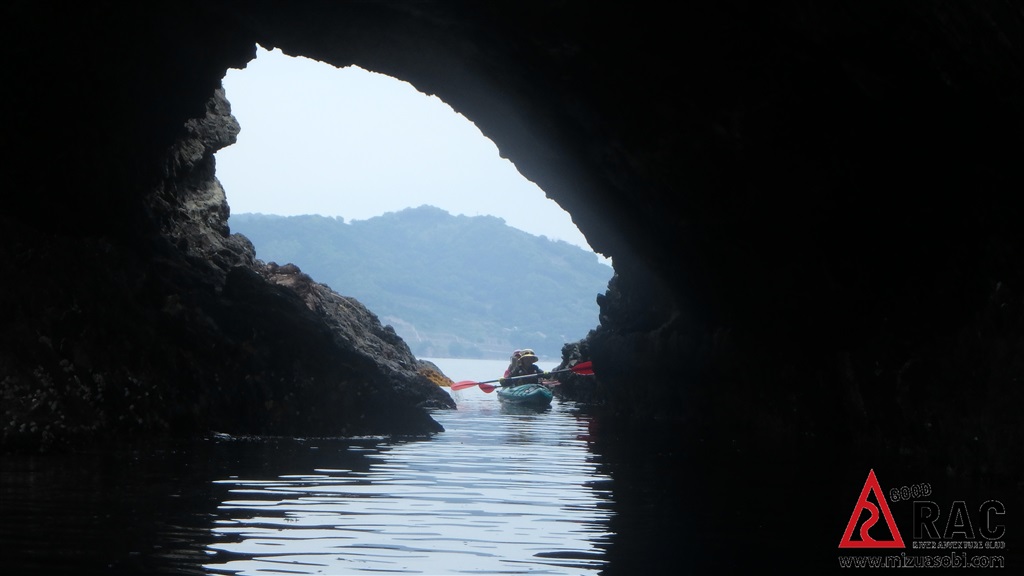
(451, 286)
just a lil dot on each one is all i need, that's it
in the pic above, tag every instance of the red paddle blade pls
(463, 385)
(583, 369)
(488, 388)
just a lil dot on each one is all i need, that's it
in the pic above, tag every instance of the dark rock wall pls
(137, 314)
(811, 207)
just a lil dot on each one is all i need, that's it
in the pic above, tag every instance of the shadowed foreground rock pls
(185, 332)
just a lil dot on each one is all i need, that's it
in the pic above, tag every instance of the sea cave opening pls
(391, 197)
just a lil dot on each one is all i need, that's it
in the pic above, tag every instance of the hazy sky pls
(346, 142)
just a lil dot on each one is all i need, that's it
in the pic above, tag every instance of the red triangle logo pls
(866, 541)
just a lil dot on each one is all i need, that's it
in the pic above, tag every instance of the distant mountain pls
(451, 286)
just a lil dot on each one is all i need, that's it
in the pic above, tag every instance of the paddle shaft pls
(583, 368)
(488, 388)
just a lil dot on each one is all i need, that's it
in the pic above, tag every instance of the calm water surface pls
(500, 491)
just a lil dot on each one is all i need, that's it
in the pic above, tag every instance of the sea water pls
(499, 491)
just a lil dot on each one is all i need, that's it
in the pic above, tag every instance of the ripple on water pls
(509, 492)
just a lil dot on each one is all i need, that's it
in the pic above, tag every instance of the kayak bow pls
(528, 394)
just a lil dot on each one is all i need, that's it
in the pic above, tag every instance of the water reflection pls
(499, 491)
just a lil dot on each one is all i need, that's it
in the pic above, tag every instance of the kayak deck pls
(533, 394)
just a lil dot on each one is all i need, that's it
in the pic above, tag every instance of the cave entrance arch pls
(351, 145)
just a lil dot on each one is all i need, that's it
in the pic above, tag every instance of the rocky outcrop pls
(354, 326)
(187, 333)
(189, 204)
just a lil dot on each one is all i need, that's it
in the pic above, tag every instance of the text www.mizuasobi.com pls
(904, 560)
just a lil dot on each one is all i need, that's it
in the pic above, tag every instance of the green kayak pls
(527, 394)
